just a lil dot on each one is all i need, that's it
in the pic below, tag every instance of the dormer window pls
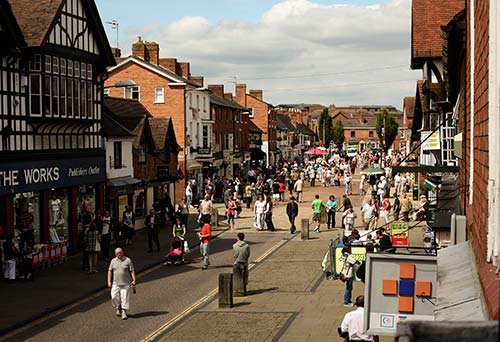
(141, 158)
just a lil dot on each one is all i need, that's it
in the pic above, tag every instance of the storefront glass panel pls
(27, 213)
(58, 216)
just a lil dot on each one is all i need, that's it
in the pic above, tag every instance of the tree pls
(338, 133)
(387, 129)
(325, 128)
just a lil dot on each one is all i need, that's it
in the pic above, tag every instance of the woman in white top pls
(259, 209)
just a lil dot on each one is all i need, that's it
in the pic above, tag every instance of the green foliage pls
(338, 136)
(387, 129)
(325, 128)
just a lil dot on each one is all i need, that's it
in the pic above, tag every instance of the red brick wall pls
(174, 106)
(260, 117)
(477, 213)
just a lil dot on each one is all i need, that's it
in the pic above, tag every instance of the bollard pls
(225, 290)
(240, 274)
(305, 229)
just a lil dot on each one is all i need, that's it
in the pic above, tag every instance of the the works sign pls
(47, 174)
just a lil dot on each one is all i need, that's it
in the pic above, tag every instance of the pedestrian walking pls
(231, 212)
(353, 324)
(107, 228)
(9, 261)
(205, 237)
(385, 210)
(269, 215)
(206, 210)
(298, 187)
(183, 210)
(92, 247)
(292, 210)
(396, 207)
(128, 222)
(349, 219)
(368, 210)
(241, 255)
(347, 273)
(27, 244)
(317, 206)
(121, 279)
(331, 206)
(259, 209)
(152, 223)
(406, 206)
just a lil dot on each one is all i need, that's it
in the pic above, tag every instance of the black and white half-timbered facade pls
(53, 57)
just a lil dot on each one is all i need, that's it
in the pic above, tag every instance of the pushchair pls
(175, 255)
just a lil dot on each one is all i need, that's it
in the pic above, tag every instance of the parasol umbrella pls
(316, 151)
(372, 171)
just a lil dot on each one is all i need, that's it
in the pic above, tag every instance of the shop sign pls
(433, 143)
(359, 253)
(48, 174)
(399, 234)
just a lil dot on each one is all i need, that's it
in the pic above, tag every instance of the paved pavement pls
(289, 299)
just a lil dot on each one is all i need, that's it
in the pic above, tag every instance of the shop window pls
(58, 216)
(139, 203)
(27, 213)
(86, 205)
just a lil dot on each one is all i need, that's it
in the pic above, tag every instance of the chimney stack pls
(153, 52)
(241, 90)
(362, 117)
(139, 49)
(217, 89)
(228, 96)
(198, 80)
(184, 68)
(169, 63)
(256, 93)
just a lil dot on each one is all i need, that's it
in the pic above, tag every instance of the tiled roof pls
(409, 105)
(355, 123)
(225, 102)
(301, 106)
(316, 114)
(304, 129)
(285, 122)
(252, 127)
(159, 129)
(427, 18)
(128, 112)
(112, 128)
(34, 18)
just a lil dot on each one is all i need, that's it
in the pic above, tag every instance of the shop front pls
(53, 198)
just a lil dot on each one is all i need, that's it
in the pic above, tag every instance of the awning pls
(458, 289)
(123, 181)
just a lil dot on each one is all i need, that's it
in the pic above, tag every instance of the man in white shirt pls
(353, 323)
(368, 210)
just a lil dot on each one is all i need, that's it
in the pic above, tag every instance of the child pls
(174, 256)
(239, 206)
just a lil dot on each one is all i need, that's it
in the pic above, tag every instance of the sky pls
(349, 52)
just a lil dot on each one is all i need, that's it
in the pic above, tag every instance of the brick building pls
(167, 89)
(54, 56)
(263, 115)
(153, 159)
(230, 129)
(459, 90)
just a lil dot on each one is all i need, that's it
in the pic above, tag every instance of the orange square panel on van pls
(389, 287)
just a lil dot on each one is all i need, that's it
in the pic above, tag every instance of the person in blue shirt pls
(331, 207)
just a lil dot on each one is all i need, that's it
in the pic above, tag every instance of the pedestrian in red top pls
(282, 189)
(205, 236)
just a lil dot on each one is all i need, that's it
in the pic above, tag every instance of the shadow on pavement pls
(148, 314)
(259, 291)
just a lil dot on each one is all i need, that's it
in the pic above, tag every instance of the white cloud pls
(301, 37)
